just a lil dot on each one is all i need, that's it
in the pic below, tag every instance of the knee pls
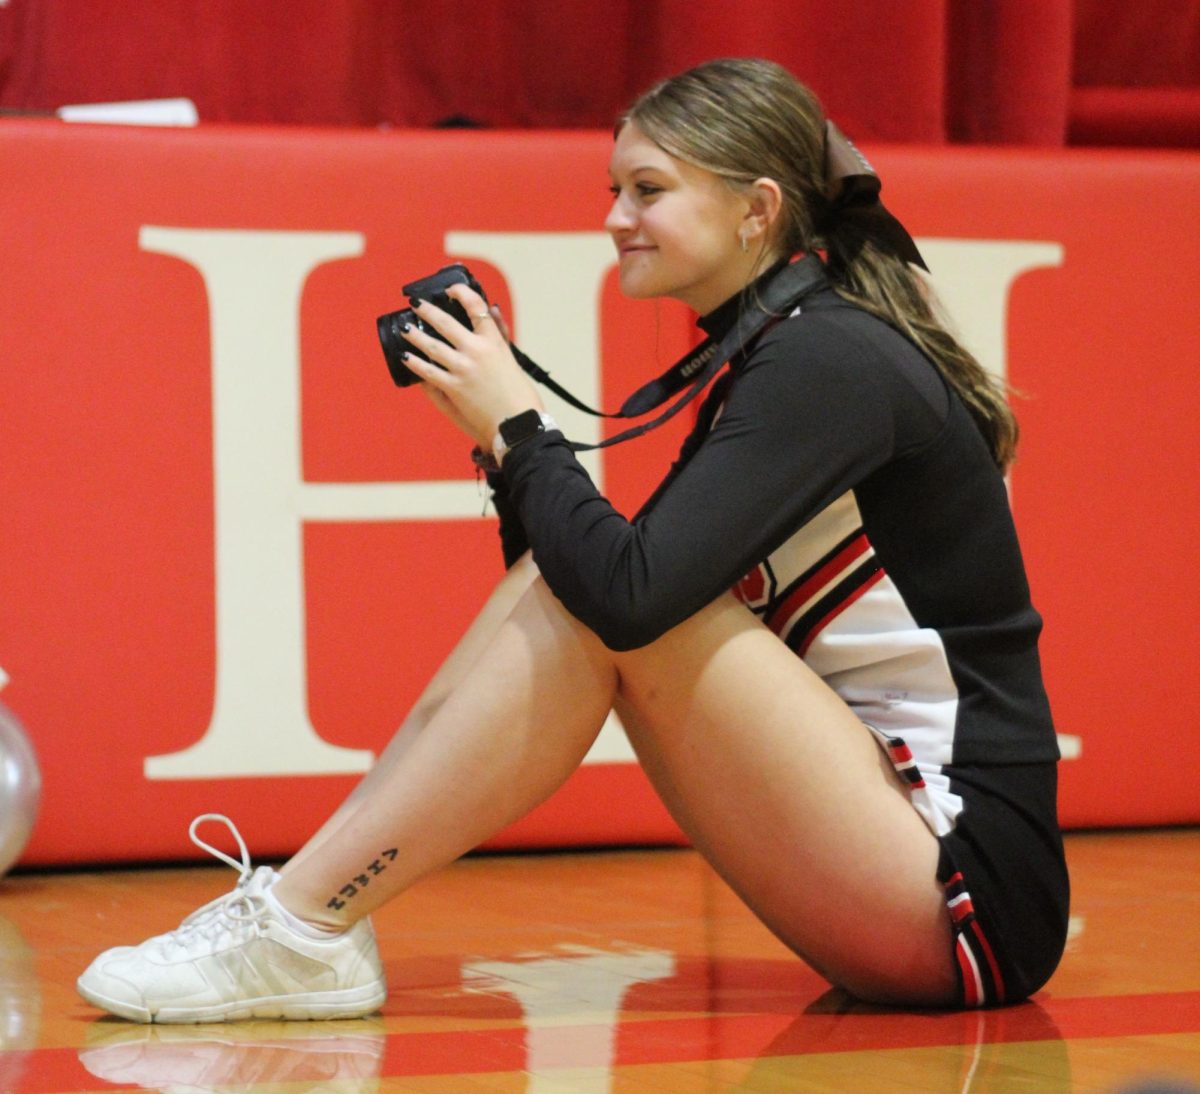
(921, 973)
(546, 624)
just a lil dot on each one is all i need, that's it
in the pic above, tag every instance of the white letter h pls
(260, 723)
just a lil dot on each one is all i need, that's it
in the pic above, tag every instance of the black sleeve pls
(513, 540)
(809, 414)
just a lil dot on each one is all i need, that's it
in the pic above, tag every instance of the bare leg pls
(786, 793)
(766, 769)
(499, 743)
(450, 674)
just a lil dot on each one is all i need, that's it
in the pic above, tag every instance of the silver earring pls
(745, 245)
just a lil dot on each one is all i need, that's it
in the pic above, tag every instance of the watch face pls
(520, 427)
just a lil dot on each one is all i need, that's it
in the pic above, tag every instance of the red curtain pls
(1020, 71)
(1009, 69)
(1137, 73)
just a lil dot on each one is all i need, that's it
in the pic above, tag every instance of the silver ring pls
(482, 315)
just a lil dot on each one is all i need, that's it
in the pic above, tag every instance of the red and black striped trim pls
(858, 568)
(805, 629)
(824, 570)
(902, 760)
(982, 983)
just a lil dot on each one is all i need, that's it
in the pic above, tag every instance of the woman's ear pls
(765, 205)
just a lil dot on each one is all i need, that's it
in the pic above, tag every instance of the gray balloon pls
(20, 788)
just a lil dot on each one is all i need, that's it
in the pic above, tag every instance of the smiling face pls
(678, 227)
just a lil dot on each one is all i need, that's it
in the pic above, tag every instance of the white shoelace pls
(242, 867)
(235, 909)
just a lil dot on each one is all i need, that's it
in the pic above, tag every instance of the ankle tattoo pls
(360, 881)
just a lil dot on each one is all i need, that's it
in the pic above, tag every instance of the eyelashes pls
(644, 190)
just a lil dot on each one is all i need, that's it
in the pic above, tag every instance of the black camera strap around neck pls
(768, 303)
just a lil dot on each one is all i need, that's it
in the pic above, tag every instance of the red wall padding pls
(129, 366)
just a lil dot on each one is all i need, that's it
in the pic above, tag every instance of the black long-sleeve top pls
(837, 484)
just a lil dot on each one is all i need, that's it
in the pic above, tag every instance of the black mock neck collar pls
(719, 322)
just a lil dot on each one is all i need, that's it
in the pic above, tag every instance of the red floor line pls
(50, 1071)
(682, 1040)
(741, 1036)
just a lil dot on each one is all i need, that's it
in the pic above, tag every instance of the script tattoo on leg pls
(360, 881)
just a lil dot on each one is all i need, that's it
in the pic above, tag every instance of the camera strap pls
(771, 301)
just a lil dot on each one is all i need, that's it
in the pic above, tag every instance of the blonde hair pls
(745, 119)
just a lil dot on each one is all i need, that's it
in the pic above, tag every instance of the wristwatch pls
(518, 428)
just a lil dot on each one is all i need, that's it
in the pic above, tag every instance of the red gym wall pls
(231, 552)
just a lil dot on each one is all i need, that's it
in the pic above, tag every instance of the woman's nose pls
(620, 218)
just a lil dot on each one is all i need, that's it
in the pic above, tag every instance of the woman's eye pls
(642, 189)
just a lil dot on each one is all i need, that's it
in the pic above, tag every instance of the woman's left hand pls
(475, 380)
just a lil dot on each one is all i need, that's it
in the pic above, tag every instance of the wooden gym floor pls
(616, 971)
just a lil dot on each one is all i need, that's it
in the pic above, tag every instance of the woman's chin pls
(638, 288)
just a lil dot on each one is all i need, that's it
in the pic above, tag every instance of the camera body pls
(432, 288)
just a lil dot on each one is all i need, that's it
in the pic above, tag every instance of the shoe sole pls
(349, 1003)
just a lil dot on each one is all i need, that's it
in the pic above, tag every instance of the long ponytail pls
(888, 288)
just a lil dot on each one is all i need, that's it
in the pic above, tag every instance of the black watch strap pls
(519, 428)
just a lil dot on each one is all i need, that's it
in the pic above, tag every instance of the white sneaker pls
(238, 957)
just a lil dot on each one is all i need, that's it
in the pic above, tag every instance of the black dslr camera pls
(433, 289)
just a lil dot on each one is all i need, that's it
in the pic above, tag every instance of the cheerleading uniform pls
(840, 488)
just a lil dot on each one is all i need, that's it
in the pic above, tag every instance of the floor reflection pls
(581, 984)
(960, 1051)
(20, 1003)
(589, 1014)
(579, 1014)
(582, 1015)
(185, 1059)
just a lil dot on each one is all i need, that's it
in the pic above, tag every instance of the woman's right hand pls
(445, 405)
(471, 376)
